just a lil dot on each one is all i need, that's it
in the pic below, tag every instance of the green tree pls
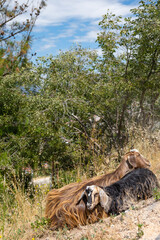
(72, 108)
(67, 100)
(15, 40)
(15, 36)
(130, 67)
(146, 27)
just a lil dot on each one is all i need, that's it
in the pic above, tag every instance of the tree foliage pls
(74, 108)
(131, 64)
(15, 35)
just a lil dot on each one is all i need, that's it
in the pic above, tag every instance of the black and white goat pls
(136, 185)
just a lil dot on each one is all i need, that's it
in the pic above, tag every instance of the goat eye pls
(96, 195)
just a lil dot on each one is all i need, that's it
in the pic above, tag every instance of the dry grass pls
(148, 144)
(23, 218)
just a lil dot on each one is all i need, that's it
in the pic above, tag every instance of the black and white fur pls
(136, 185)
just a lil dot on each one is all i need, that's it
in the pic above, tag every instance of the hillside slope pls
(142, 222)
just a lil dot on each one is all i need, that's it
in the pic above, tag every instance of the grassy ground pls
(23, 218)
(141, 222)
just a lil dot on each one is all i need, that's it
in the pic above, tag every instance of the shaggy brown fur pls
(61, 207)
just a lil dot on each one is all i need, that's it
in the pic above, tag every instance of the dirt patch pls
(140, 222)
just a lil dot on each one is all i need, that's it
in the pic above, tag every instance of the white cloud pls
(72, 20)
(90, 36)
(67, 32)
(47, 43)
(60, 11)
(50, 40)
(48, 46)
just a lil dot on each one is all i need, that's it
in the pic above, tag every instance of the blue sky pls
(64, 23)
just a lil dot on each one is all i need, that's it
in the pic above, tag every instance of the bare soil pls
(140, 222)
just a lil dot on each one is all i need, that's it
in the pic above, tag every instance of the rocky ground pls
(140, 222)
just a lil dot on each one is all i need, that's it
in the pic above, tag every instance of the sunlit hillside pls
(24, 219)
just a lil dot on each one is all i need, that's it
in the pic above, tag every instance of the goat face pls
(93, 195)
(90, 196)
(136, 160)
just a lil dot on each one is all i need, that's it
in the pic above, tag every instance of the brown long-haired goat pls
(61, 204)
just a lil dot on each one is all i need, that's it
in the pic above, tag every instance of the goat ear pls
(131, 161)
(81, 197)
(103, 198)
